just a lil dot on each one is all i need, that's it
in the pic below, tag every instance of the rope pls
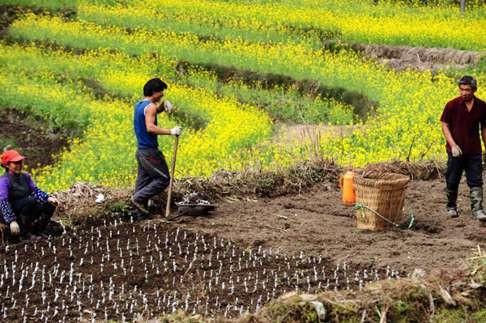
(360, 206)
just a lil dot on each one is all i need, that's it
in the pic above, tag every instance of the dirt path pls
(317, 223)
(288, 134)
(419, 58)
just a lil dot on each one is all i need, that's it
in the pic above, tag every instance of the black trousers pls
(32, 215)
(473, 166)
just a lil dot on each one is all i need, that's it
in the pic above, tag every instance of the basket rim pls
(396, 180)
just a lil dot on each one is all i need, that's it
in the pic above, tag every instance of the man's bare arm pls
(150, 114)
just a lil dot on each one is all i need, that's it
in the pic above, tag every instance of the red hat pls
(11, 156)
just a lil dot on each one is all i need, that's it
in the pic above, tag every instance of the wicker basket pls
(384, 193)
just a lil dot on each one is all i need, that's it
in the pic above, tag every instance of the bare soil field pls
(318, 223)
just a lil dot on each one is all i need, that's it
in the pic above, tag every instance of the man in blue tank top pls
(153, 174)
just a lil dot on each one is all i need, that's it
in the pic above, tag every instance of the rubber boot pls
(476, 195)
(452, 204)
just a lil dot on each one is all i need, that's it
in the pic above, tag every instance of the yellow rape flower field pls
(122, 45)
(289, 109)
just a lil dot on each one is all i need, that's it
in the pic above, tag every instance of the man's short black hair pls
(469, 80)
(154, 85)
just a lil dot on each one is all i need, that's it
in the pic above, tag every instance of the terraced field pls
(237, 71)
(285, 94)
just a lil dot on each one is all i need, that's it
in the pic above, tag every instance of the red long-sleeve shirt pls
(464, 125)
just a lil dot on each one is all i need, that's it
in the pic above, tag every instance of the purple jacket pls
(6, 211)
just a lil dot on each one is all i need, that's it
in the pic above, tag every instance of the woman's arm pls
(36, 192)
(5, 209)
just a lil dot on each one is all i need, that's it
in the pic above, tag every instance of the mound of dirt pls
(419, 58)
(416, 171)
(448, 295)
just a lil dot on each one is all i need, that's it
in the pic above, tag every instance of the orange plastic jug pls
(346, 183)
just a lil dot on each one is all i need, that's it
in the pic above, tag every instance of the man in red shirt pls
(461, 121)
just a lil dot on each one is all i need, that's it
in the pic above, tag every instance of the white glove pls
(168, 107)
(14, 228)
(456, 151)
(52, 200)
(176, 131)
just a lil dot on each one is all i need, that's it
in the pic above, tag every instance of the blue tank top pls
(145, 140)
